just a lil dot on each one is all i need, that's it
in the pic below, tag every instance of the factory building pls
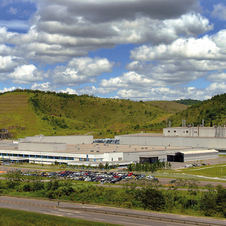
(192, 155)
(121, 151)
(218, 143)
(195, 132)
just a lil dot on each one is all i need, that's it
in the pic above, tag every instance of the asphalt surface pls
(104, 214)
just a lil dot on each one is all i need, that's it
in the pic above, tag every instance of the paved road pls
(104, 214)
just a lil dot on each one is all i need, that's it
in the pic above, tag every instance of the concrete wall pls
(109, 157)
(69, 140)
(215, 143)
(195, 132)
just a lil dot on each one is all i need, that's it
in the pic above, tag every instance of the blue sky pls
(130, 49)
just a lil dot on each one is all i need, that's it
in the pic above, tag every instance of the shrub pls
(152, 199)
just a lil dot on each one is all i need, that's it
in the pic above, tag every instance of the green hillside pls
(213, 111)
(28, 113)
(169, 106)
(188, 102)
(72, 114)
(17, 116)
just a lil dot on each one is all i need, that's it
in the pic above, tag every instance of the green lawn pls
(207, 171)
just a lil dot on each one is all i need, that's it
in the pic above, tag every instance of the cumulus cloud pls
(9, 89)
(164, 93)
(216, 88)
(92, 90)
(176, 72)
(99, 11)
(217, 77)
(129, 79)
(68, 90)
(81, 70)
(206, 48)
(61, 30)
(66, 31)
(43, 86)
(27, 74)
(7, 64)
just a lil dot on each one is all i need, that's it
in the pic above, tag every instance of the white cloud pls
(61, 30)
(219, 11)
(206, 48)
(15, 24)
(9, 89)
(216, 88)
(163, 93)
(13, 10)
(129, 79)
(66, 31)
(6, 36)
(7, 64)
(91, 67)
(217, 77)
(92, 90)
(81, 70)
(44, 86)
(68, 90)
(27, 74)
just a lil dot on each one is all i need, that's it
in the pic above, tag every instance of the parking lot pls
(102, 177)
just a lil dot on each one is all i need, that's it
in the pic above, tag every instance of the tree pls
(221, 200)
(101, 166)
(207, 202)
(152, 199)
(192, 189)
(106, 165)
(129, 167)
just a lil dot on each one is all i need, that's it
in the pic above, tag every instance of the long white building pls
(80, 150)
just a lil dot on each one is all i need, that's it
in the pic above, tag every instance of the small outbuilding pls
(192, 155)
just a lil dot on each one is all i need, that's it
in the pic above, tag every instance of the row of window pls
(183, 131)
(37, 156)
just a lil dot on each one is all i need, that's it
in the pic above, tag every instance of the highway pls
(104, 214)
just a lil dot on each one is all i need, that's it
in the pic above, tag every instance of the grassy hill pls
(17, 116)
(72, 114)
(169, 106)
(213, 111)
(28, 113)
(188, 102)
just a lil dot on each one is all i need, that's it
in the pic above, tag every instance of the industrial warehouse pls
(121, 151)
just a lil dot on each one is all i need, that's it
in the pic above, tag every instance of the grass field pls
(28, 113)
(17, 116)
(218, 171)
(23, 218)
(169, 106)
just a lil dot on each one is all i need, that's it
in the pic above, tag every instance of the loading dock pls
(148, 159)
